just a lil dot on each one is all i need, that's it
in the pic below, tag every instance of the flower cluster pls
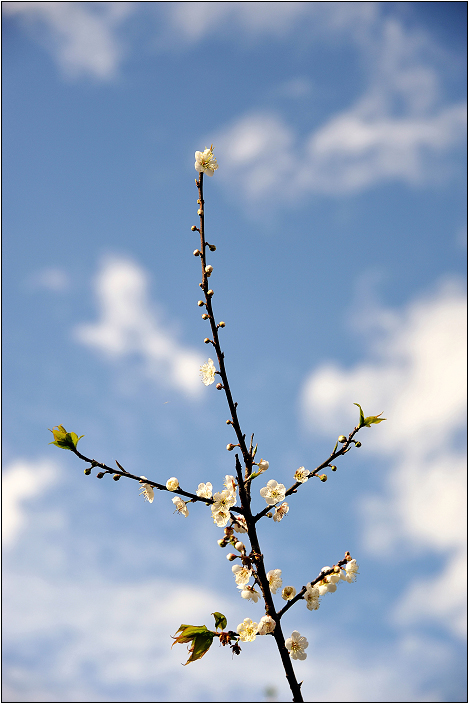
(329, 583)
(223, 501)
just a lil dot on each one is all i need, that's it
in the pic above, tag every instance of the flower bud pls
(196, 253)
(229, 422)
(200, 304)
(323, 477)
(200, 211)
(333, 468)
(116, 477)
(219, 387)
(221, 324)
(348, 556)
(230, 447)
(193, 228)
(222, 542)
(231, 556)
(240, 546)
(100, 475)
(269, 515)
(358, 444)
(342, 438)
(199, 201)
(87, 470)
(208, 270)
(204, 316)
(206, 340)
(172, 484)
(210, 292)
(228, 531)
(212, 248)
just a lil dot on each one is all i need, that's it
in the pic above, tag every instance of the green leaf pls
(201, 644)
(220, 620)
(368, 422)
(254, 452)
(335, 448)
(362, 416)
(64, 440)
(188, 633)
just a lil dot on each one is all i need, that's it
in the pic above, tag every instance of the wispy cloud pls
(82, 37)
(22, 481)
(129, 325)
(51, 279)
(416, 373)
(399, 129)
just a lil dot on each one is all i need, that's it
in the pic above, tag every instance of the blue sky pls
(339, 215)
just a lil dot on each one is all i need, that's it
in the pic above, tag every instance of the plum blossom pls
(181, 506)
(296, 646)
(288, 593)
(249, 593)
(351, 571)
(263, 465)
(266, 625)
(221, 517)
(230, 484)
(312, 597)
(172, 484)
(204, 490)
(281, 511)
(205, 162)
(247, 630)
(242, 574)
(301, 475)
(207, 371)
(147, 491)
(273, 492)
(223, 501)
(275, 580)
(240, 526)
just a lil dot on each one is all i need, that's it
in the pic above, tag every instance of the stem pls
(255, 556)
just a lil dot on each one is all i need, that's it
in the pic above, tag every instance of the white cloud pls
(416, 374)
(196, 20)
(82, 37)
(129, 325)
(21, 482)
(399, 129)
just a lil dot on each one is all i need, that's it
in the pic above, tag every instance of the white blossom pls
(266, 625)
(281, 511)
(250, 593)
(223, 501)
(296, 646)
(288, 593)
(312, 602)
(221, 517)
(204, 490)
(351, 571)
(273, 492)
(207, 371)
(240, 526)
(263, 465)
(247, 630)
(242, 574)
(230, 484)
(181, 506)
(147, 491)
(205, 162)
(275, 580)
(301, 475)
(172, 484)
